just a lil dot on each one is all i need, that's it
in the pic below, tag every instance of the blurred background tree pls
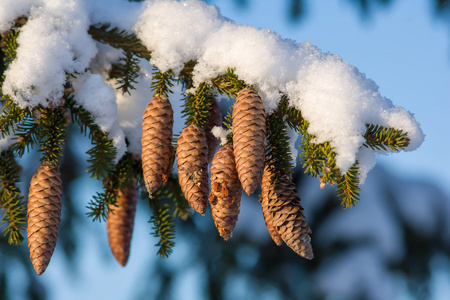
(394, 245)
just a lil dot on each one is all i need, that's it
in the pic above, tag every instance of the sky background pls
(404, 48)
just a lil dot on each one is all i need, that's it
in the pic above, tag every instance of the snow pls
(175, 31)
(132, 106)
(12, 9)
(103, 109)
(221, 134)
(338, 100)
(38, 74)
(335, 97)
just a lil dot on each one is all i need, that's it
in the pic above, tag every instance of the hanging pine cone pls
(120, 223)
(156, 141)
(214, 119)
(192, 152)
(249, 139)
(226, 191)
(44, 215)
(287, 217)
(265, 187)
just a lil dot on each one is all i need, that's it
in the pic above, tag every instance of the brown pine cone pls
(120, 223)
(287, 217)
(156, 141)
(265, 187)
(192, 152)
(249, 139)
(44, 215)
(214, 119)
(226, 191)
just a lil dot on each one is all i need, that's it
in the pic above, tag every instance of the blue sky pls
(404, 48)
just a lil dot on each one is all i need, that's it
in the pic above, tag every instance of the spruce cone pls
(249, 138)
(226, 191)
(120, 223)
(214, 119)
(287, 217)
(264, 199)
(156, 141)
(44, 215)
(192, 152)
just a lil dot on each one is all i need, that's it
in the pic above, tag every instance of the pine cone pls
(265, 186)
(192, 152)
(287, 217)
(249, 138)
(214, 119)
(226, 191)
(120, 223)
(156, 141)
(44, 215)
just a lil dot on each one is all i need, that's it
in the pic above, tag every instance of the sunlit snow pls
(334, 97)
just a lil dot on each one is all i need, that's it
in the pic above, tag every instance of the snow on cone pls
(214, 119)
(226, 191)
(192, 155)
(287, 217)
(264, 199)
(120, 223)
(44, 215)
(249, 139)
(156, 141)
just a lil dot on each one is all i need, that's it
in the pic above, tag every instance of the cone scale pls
(44, 215)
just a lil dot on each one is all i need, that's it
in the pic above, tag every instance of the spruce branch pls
(100, 206)
(311, 155)
(182, 207)
(126, 71)
(167, 203)
(12, 115)
(11, 200)
(52, 135)
(330, 172)
(10, 47)
(119, 39)
(125, 172)
(228, 84)
(292, 115)
(228, 123)
(197, 107)
(163, 222)
(103, 154)
(28, 134)
(319, 160)
(380, 137)
(186, 74)
(348, 187)
(162, 82)
(164, 229)
(278, 153)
